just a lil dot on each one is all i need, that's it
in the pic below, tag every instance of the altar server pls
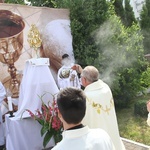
(72, 106)
(67, 77)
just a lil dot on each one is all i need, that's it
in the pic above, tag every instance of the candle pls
(10, 103)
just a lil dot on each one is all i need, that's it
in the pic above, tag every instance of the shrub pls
(140, 108)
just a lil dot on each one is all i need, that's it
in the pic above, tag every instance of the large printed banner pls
(16, 22)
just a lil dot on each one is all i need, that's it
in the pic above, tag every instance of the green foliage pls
(133, 127)
(125, 12)
(140, 108)
(145, 15)
(145, 25)
(15, 1)
(85, 18)
(145, 79)
(121, 60)
(129, 14)
(43, 3)
(47, 138)
(118, 7)
(39, 3)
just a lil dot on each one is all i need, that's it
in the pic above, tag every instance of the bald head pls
(90, 73)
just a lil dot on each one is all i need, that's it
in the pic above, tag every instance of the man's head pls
(89, 75)
(72, 105)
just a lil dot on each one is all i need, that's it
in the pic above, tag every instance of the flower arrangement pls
(48, 118)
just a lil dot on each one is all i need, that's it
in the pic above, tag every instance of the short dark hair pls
(65, 56)
(72, 104)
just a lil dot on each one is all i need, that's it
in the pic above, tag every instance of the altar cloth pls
(24, 134)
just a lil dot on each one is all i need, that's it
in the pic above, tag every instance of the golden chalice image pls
(11, 44)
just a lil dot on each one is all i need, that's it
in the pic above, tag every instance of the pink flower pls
(56, 123)
(31, 114)
(48, 118)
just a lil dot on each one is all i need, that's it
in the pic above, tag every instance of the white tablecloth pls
(37, 80)
(23, 134)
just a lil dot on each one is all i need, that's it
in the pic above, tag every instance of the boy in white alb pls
(72, 106)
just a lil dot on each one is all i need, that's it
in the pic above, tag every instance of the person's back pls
(72, 105)
(100, 112)
(89, 139)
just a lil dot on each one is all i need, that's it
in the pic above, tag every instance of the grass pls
(133, 127)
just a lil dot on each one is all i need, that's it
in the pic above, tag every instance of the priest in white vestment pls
(66, 76)
(148, 109)
(100, 111)
(72, 106)
(2, 97)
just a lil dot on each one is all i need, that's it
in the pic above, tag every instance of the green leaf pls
(44, 129)
(41, 121)
(47, 138)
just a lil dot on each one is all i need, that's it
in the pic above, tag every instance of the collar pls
(95, 86)
(76, 127)
(75, 133)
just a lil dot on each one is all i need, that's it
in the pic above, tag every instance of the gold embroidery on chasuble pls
(98, 107)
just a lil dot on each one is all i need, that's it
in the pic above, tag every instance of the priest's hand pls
(77, 67)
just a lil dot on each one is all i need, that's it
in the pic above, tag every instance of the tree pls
(124, 10)
(129, 14)
(145, 25)
(121, 60)
(119, 10)
(85, 18)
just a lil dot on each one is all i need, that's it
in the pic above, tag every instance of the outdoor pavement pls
(132, 145)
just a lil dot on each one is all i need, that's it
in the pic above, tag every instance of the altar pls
(24, 134)
(37, 86)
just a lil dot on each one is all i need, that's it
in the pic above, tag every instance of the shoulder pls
(98, 130)
(99, 134)
(57, 147)
(100, 139)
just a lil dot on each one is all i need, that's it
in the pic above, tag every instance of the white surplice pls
(148, 119)
(100, 112)
(2, 96)
(85, 139)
